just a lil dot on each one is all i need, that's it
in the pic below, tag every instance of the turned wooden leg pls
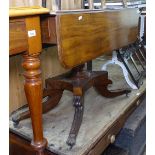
(101, 83)
(33, 91)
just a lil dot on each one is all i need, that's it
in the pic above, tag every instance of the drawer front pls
(48, 30)
(17, 36)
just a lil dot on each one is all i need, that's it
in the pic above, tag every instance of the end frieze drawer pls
(17, 36)
(48, 29)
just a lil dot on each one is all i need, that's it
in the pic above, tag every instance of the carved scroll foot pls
(101, 88)
(50, 99)
(18, 117)
(51, 96)
(78, 116)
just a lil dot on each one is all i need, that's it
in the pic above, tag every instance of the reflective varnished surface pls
(85, 36)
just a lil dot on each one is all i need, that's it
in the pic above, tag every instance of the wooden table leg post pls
(33, 91)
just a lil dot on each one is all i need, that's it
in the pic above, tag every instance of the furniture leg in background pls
(115, 61)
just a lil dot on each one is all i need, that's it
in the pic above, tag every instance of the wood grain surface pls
(17, 36)
(18, 146)
(26, 11)
(19, 40)
(85, 36)
(48, 29)
(33, 24)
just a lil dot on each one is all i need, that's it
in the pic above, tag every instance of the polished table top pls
(86, 35)
(26, 11)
